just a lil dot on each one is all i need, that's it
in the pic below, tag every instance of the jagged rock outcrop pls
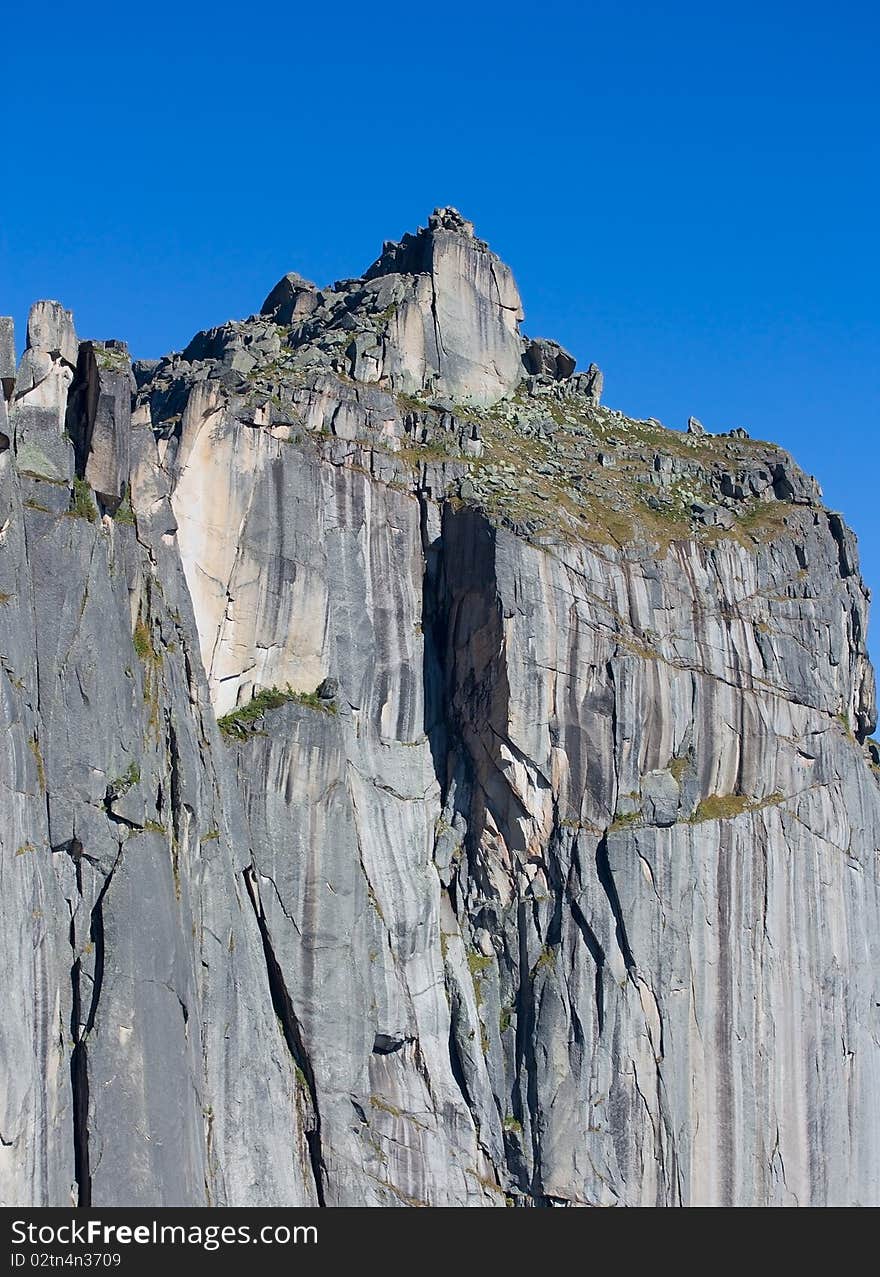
(421, 784)
(291, 301)
(549, 359)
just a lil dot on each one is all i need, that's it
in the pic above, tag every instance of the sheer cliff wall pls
(421, 784)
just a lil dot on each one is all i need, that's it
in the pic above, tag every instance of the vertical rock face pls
(124, 911)
(456, 325)
(100, 418)
(410, 803)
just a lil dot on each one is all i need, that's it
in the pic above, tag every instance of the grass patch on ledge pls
(566, 486)
(677, 766)
(377, 1102)
(625, 820)
(843, 719)
(82, 505)
(240, 723)
(478, 962)
(34, 747)
(124, 512)
(729, 806)
(122, 784)
(143, 642)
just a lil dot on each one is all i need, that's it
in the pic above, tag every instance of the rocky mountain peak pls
(413, 253)
(449, 219)
(436, 316)
(437, 312)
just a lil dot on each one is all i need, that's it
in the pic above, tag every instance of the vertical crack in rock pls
(843, 541)
(79, 1074)
(438, 337)
(597, 953)
(459, 707)
(440, 731)
(79, 422)
(609, 670)
(455, 1063)
(727, 1124)
(291, 1030)
(525, 1048)
(434, 674)
(606, 879)
(81, 1024)
(566, 890)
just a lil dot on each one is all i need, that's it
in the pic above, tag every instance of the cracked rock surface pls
(421, 784)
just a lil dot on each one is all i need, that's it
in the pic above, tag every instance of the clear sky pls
(687, 192)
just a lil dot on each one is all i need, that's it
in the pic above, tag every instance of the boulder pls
(291, 300)
(328, 690)
(660, 798)
(715, 516)
(543, 358)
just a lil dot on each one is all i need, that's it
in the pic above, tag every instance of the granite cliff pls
(422, 785)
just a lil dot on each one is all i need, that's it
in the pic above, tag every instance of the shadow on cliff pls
(467, 694)
(467, 703)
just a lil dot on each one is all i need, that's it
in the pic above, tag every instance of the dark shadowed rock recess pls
(421, 784)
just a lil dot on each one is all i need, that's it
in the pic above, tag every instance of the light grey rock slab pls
(50, 329)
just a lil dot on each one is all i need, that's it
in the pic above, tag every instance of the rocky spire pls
(99, 418)
(39, 403)
(437, 311)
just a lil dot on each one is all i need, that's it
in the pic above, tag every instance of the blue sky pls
(687, 193)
